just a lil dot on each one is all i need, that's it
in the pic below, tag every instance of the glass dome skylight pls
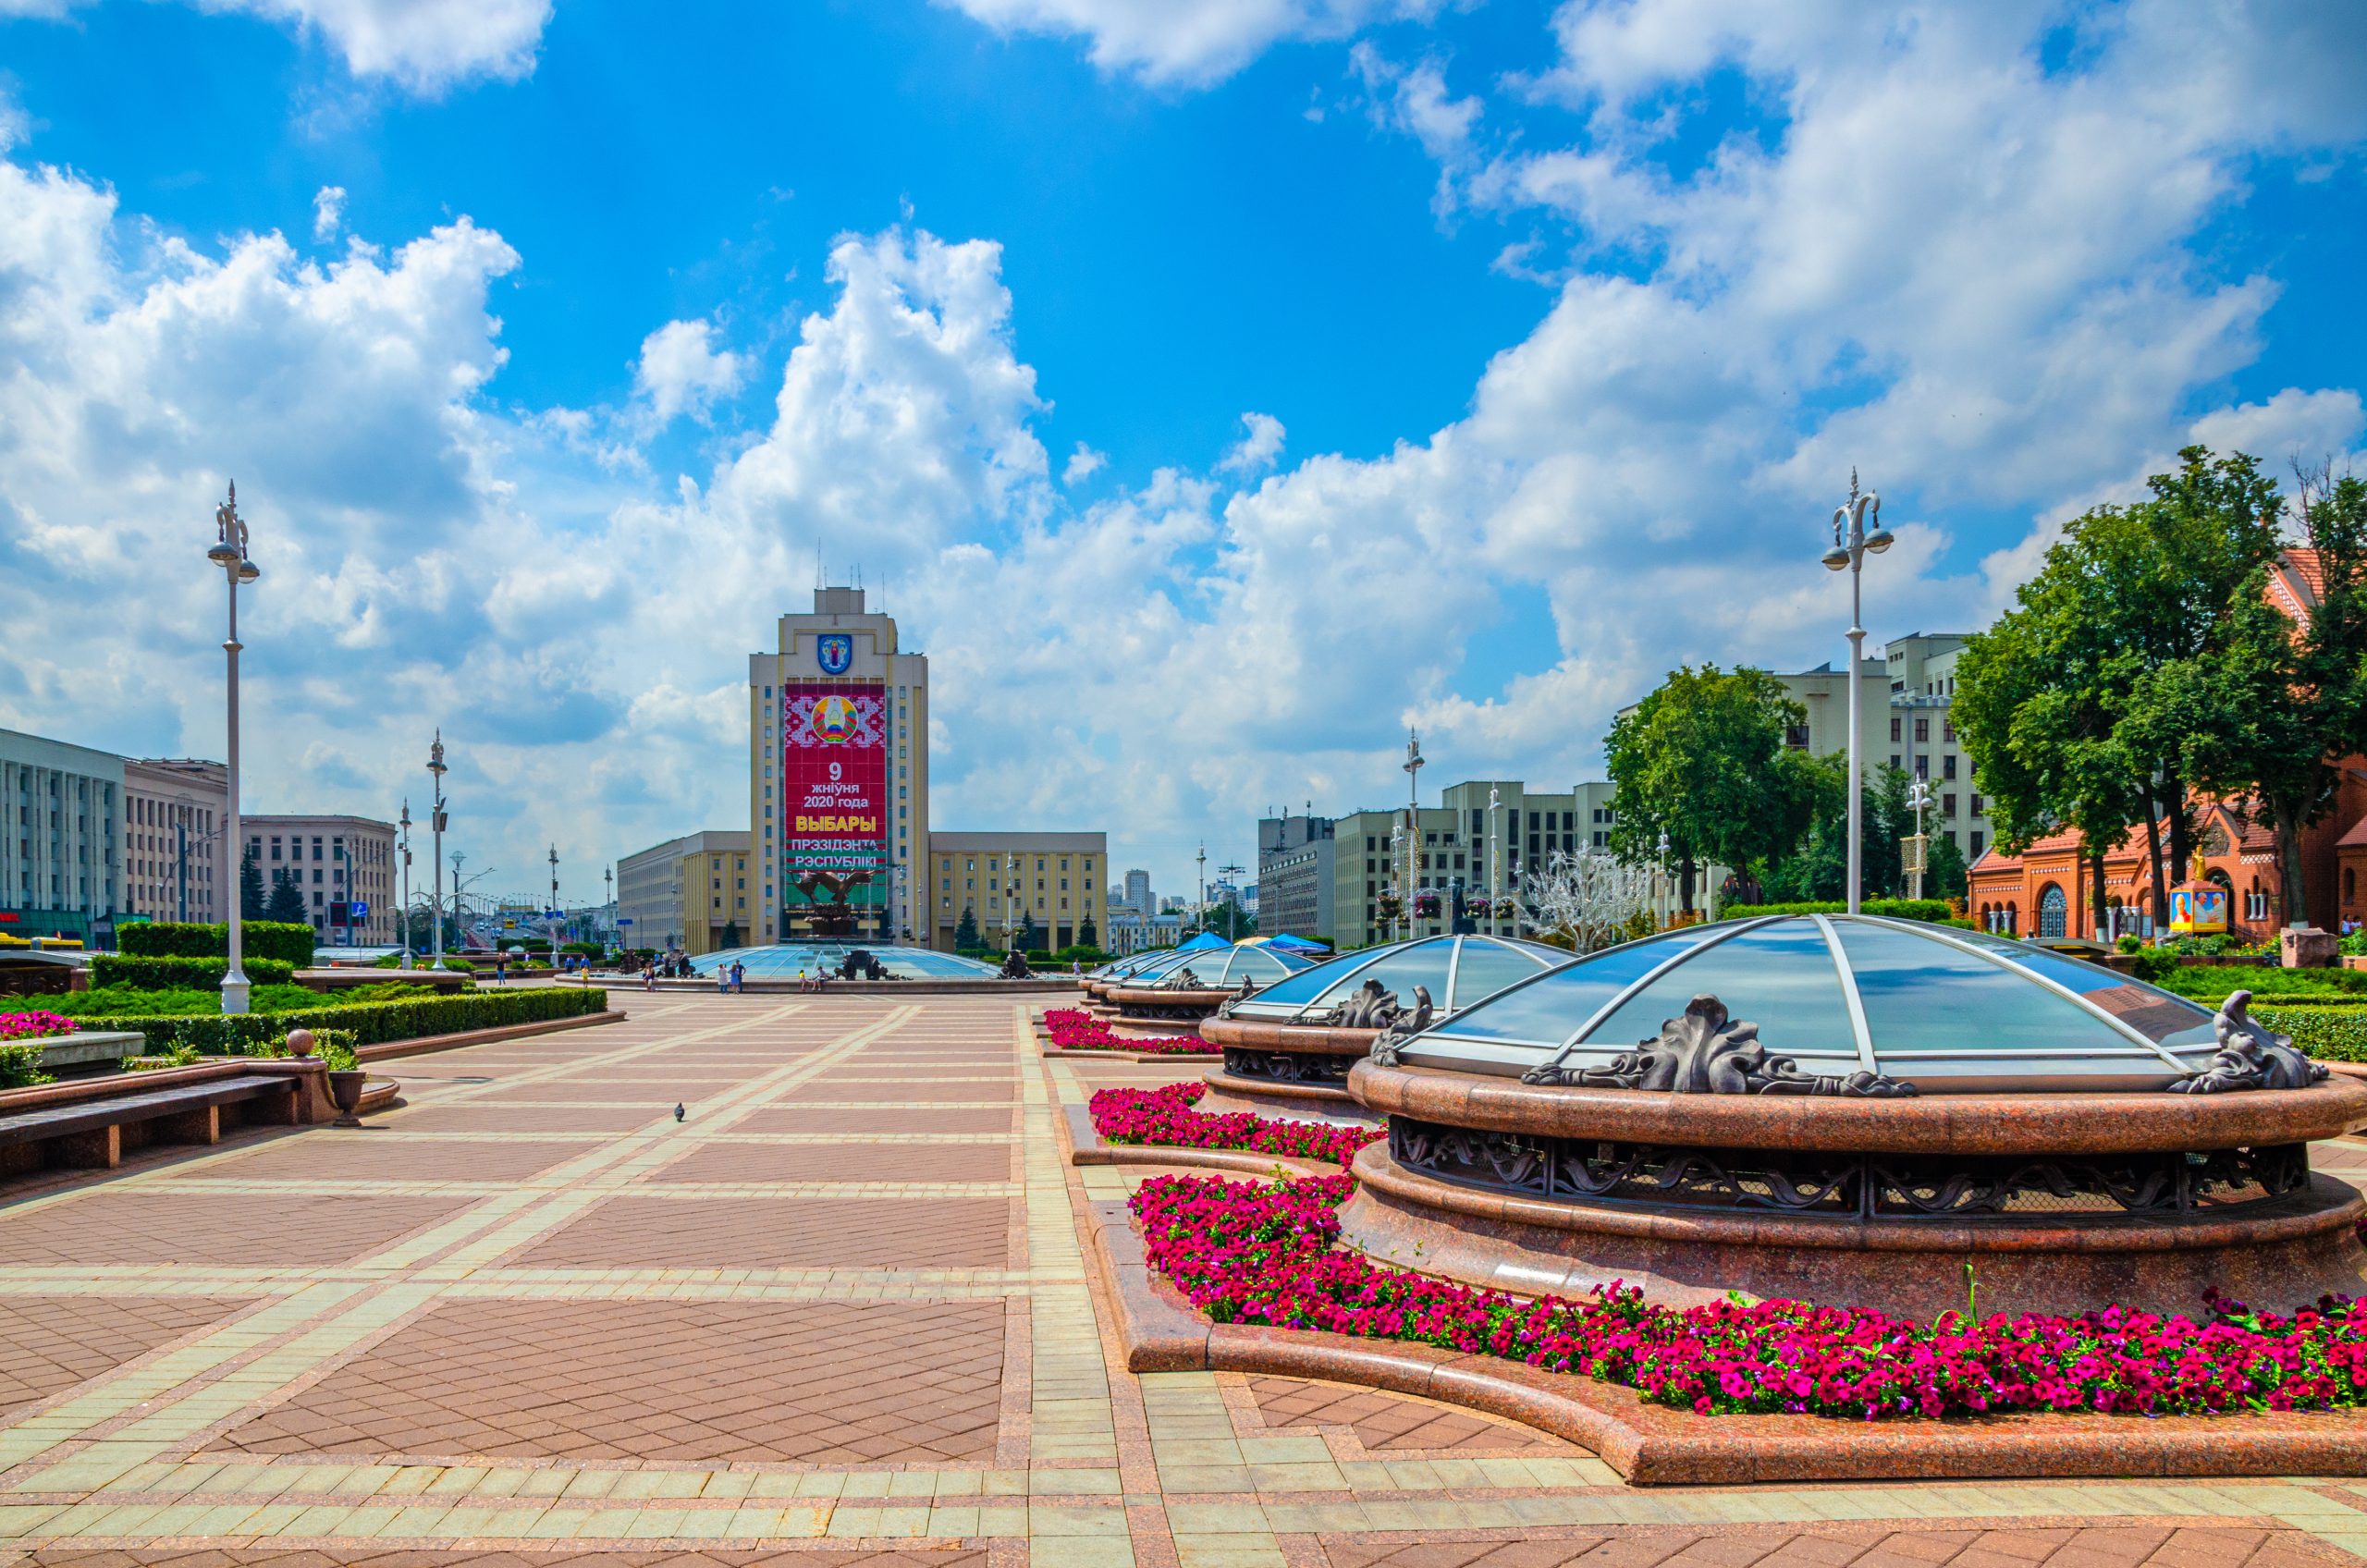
(787, 961)
(1457, 970)
(1220, 969)
(1133, 963)
(1947, 1010)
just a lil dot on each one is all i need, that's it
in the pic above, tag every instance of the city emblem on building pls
(836, 649)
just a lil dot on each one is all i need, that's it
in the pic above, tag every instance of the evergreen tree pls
(965, 934)
(1030, 937)
(1088, 933)
(286, 899)
(251, 894)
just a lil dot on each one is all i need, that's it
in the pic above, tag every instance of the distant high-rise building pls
(1294, 875)
(1138, 894)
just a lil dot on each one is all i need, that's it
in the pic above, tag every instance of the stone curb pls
(1648, 1445)
(388, 1050)
(1133, 1056)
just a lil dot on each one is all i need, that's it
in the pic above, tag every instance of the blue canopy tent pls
(1202, 943)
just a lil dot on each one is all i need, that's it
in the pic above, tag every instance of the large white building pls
(174, 814)
(838, 771)
(60, 853)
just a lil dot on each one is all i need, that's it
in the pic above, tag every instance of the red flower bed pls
(1165, 1116)
(1071, 1031)
(1245, 1252)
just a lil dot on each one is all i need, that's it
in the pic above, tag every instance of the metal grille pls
(1598, 1171)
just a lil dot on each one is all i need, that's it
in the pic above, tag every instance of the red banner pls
(834, 784)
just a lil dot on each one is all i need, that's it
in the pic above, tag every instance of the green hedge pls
(2330, 1033)
(149, 974)
(285, 941)
(368, 1024)
(2213, 982)
(1934, 910)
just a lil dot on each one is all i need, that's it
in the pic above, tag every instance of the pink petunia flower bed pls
(1258, 1253)
(34, 1025)
(1165, 1116)
(1071, 1031)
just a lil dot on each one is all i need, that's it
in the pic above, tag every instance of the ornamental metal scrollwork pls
(2250, 1056)
(1248, 988)
(1369, 1006)
(1401, 1027)
(1705, 1053)
(1808, 1181)
(1287, 1067)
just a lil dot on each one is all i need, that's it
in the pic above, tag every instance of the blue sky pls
(1218, 386)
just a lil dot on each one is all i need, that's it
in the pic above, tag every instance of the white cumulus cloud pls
(1189, 43)
(682, 371)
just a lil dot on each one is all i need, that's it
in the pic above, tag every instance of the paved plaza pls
(839, 1314)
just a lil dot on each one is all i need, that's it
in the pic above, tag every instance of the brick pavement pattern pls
(840, 1317)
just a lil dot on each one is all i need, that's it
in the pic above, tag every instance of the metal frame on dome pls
(1354, 965)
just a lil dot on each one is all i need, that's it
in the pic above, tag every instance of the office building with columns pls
(60, 844)
(838, 773)
(1058, 880)
(175, 864)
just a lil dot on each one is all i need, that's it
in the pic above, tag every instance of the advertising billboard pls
(834, 786)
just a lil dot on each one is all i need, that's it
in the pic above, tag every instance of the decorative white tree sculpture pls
(1586, 900)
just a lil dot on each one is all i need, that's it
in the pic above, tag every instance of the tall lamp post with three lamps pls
(1851, 544)
(230, 553)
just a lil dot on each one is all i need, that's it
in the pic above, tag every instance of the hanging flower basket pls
(1426, 906)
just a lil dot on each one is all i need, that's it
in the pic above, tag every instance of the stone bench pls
(91, 1124)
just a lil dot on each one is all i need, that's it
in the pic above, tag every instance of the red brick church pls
(2046, 889)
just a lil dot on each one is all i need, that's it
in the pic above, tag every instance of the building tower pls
(838, 771)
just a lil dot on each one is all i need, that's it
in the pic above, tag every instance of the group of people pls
(673, 966)
(731, 977)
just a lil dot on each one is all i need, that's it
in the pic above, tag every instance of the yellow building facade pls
(1062, 880)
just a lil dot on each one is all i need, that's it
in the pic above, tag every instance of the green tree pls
(2265, 713)
(965, 932)
(1030, 937)
(1702, 759)
(252, 900)
(287, 901)
(2047, 699)
(1088, 933)
(730, 934)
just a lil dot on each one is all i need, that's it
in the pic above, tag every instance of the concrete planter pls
(83, 1050)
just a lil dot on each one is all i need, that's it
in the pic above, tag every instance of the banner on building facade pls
(834, 785)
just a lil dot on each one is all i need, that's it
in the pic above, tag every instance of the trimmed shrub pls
(161, 973)
(1936, 911)
(284, 941)
(2329, 1034)
(2211, 983)
(368, 1024)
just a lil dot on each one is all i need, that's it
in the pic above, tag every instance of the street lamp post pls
(1659, 874)
(1851, 544)
(608, 883)
(1919, 796)
(1413, 765)
(230, 553)
(405, 826)
(435, 819)
(1495, 862)
(551, 910)
(1204, 886)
